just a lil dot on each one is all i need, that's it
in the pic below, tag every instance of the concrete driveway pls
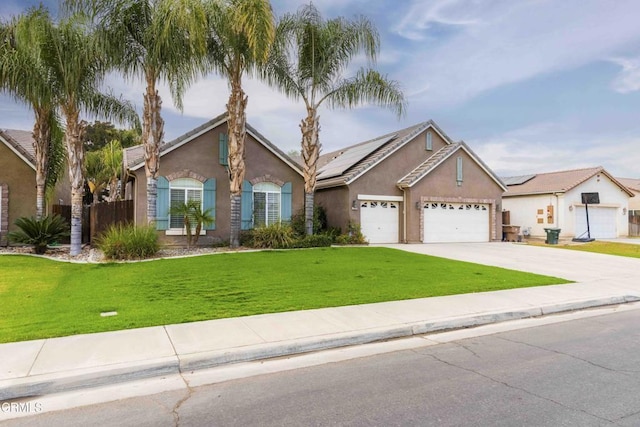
(584, 267)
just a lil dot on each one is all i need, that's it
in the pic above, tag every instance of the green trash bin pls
(552, 236)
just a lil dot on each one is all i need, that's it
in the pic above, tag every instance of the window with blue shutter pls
(209, 201)
(429, 141)
(459, 171)
(286, 202)
(162, 204)
(246, 206)
(223, 149)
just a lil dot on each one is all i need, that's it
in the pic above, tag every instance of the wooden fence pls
(97, 218)
(634, 223)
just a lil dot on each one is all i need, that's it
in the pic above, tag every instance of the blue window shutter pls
(209, 201)
(223, 149)
(459, 170)
(246, 206)
(285, 203)
(162, 204)
(429, 142)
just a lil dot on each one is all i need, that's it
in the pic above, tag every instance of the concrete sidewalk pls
(42, 367)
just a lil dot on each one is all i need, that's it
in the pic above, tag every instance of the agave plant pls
(39, 232)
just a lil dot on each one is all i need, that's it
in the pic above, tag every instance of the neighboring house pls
(553, 200)
(412, 185)
(18, 179)
(634, 186)
(194, 167)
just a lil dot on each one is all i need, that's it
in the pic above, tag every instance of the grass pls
(609, 248)
(43, 298)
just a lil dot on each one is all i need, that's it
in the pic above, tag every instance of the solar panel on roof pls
(517, 180)
(350, 157)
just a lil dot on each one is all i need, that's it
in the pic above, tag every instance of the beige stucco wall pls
(634, 202)
(337, 206)
(19, 180)
(200, 157)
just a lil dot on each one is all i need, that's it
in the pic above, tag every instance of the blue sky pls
(531, 85)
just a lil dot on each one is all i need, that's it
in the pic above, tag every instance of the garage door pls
(379, 221)
(602, 222)
(456, 222)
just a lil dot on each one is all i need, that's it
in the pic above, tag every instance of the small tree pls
(193, 218)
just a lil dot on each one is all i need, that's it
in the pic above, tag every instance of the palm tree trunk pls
(152, 135)
(42, 141)
(237, 129)
(75, 157)
(310, 128)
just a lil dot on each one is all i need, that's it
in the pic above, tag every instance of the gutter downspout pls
(404, 215)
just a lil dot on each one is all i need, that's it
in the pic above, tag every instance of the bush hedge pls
(125, 242)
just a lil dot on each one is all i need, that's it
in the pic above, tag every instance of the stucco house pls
(194, 166)
(18, 179)
(554, 200)
(633, 185)
(412, 185)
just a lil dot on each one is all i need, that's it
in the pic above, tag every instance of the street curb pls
(40, 385)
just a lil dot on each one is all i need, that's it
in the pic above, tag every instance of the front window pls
(182, 191)
(266, 204)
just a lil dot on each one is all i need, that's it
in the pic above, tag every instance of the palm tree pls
(77, 67)
(24, 77)
(309, 60)
(156, 40)
(240, 37)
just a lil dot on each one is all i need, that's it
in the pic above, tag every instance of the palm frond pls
(367, 86)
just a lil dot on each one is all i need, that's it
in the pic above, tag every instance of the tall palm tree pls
(77, 67)
(309, 60)
(155, 40)
(24, 77)
(240, 37)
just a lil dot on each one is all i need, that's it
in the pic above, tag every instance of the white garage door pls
(379, 221)
(602, 222)
(455, 222)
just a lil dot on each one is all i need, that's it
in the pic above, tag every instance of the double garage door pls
(455, 222)
(602, 222)
(443, 222)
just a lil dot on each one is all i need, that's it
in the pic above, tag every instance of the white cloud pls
(531, 150)
(515, 42)
(628, 80)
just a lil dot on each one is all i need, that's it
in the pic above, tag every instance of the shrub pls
(274, 236)
(319, 221)
(314, 241)
(353, 236)
(39, 233)
(129, 242)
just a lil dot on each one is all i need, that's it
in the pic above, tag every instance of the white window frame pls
(182, 184)
(267, 188)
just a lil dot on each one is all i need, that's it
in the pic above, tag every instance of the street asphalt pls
(44, 367)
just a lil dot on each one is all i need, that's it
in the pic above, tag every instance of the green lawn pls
(43, 298)
(610, 248)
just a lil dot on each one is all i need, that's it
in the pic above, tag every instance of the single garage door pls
(379, 221)
(602, 222)
(456, 222)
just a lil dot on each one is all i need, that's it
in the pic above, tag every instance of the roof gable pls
(439, 158)
(21, 142)
(559, 182)
(631, 183)
(348, 164)
(134, 156)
